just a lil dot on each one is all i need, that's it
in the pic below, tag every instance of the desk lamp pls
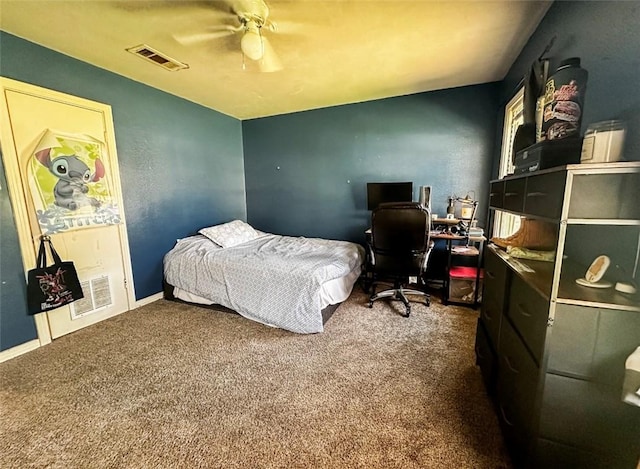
(468, 201)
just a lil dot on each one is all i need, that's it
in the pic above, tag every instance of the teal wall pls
(181, 167)
(306, 172)
(606, 37)
(15, 326)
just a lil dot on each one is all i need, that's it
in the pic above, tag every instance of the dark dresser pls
(551, 351)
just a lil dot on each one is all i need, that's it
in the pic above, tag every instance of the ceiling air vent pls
(158, 58)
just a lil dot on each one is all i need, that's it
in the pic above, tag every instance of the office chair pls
(399, 249)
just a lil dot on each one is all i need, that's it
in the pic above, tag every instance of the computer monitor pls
(384, 192)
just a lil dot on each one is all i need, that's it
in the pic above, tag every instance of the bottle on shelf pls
(564, 101)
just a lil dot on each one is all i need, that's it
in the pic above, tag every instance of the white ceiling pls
(332, 52)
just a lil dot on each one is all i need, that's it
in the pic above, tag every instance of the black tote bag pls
(53, 286)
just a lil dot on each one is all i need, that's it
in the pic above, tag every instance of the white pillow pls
(230, 234)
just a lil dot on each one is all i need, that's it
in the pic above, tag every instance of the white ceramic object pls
(624, 287)
(585, 283)
(597, 269)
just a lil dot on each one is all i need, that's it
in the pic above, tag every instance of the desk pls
(473, 248)
(468, 250)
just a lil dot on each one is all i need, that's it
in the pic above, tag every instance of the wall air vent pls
(158, 58)
(97, 296)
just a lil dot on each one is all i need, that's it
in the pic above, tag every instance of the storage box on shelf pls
(462, 251)
(464, 272)
(462, 284)
(552, 352)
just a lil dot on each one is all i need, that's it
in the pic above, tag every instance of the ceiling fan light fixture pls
(251, 43)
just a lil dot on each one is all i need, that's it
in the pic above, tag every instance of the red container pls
(462, 284)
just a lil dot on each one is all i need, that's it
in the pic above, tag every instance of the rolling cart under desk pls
(473, 248)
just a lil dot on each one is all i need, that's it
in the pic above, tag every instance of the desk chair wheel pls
(372, 293)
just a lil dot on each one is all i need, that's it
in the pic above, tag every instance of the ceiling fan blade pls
(285, 27)
(219, 10)
(189, 39)
(270, 62)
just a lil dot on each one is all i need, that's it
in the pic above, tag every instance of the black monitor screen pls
(384, 192)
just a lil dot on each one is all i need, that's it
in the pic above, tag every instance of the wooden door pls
(48, 140)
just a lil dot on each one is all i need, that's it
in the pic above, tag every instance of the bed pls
(292, 283)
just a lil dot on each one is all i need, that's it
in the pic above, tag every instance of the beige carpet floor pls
(171, 385)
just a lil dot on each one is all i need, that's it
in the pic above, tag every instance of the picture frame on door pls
(69, 184)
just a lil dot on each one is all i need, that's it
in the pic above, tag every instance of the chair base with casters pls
(398, 293)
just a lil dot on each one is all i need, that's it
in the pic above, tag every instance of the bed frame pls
(168, 295)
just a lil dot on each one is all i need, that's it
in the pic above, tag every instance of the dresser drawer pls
(491, 317)
(556, 454)
(496, 195)
(514, 194)
(516, 438)
(528, 312)
(495, 274)
(544, 194)
(517, 378)
(570, 404)
(516, 392)
(486, 358)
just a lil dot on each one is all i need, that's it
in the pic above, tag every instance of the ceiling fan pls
(252, 22)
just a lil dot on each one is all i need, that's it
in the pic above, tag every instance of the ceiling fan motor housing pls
(255, 11)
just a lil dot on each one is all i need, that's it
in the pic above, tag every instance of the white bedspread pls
(274, 279)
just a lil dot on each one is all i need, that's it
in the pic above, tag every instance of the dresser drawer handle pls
(506, 359)
(537, 194)
(511, 194)
(489, 274)
(487, 314)
(479, 352)
(523, 310)
(505, 418)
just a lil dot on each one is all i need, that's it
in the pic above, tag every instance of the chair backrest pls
(400, 236)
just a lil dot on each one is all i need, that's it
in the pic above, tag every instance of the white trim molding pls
(44, 336)
(11, 159)
(149, 300)
(42, 326)
(18, 350)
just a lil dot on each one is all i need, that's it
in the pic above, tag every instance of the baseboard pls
(18, 350)
(149, 299)
(34, 344)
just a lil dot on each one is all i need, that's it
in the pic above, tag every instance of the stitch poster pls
(69, 187)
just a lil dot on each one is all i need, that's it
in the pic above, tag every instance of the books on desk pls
(464, 250)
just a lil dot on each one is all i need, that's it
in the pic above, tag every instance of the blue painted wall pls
(15, 326)
(181, 167)
(606, 36)
(306, 172)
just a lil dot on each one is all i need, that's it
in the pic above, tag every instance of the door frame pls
(14, 183)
